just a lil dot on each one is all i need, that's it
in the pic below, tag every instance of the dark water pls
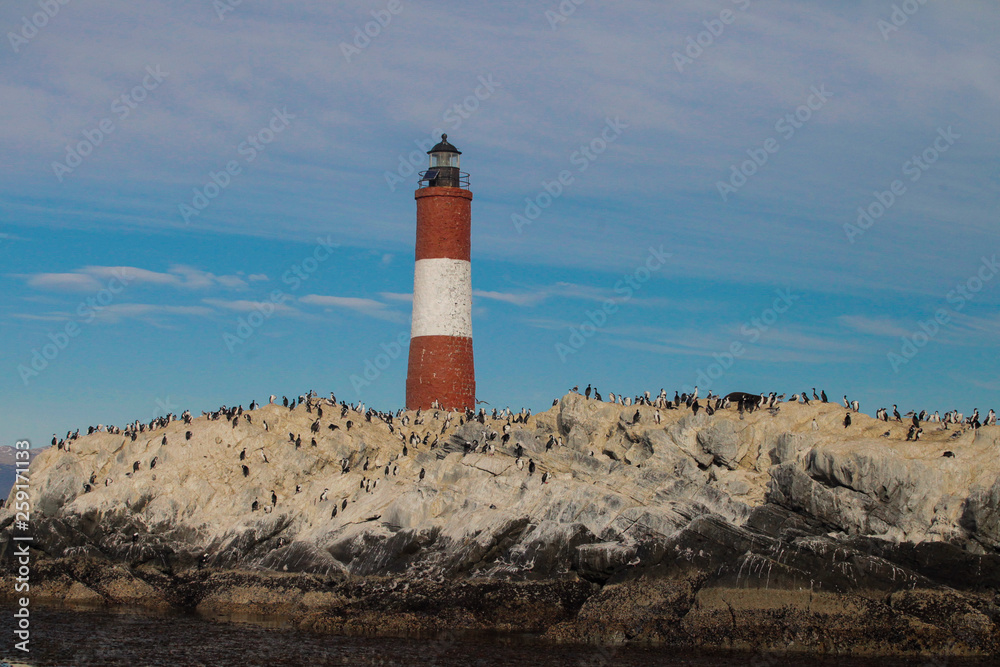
(60, 637)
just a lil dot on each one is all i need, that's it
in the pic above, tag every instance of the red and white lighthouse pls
(441, 371)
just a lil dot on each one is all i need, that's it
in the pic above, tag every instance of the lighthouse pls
(441, 373)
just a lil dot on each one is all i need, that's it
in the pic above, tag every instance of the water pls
(109, 639)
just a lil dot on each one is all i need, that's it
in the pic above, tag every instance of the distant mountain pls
(8, 471)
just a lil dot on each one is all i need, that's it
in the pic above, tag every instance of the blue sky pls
(834, 103)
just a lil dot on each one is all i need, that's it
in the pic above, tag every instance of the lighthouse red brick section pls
(441, 371)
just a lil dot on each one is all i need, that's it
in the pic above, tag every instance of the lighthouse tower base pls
(441, 370)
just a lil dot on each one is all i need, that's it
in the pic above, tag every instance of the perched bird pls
(531, 467)
(847, 420)
(422, 473)
(246, 471)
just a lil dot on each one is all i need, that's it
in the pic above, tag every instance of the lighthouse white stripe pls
(442, 298)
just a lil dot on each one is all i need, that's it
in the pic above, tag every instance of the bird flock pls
(493, 429)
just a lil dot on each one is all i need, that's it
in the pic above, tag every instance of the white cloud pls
(150, 313)
(875, 326)
(368, 307)
(513, 299)
(247, 306)
(94, 278)
(71, 282)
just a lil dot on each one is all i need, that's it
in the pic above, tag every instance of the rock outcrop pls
(758, 531)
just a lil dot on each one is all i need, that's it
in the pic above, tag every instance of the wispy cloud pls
(92, 278)
(247, 306)
(513, 299)
(369, 307)
(67, 282)
(149, 313)
(875, 326)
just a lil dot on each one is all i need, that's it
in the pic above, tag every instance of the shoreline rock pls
(753, 532)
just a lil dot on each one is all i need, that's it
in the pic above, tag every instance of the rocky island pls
(776, 530)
